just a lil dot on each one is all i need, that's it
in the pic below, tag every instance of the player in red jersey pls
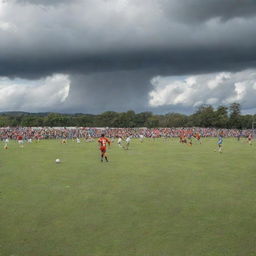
(198, 137)
(249, 138)
(103, 141)
(20, 140)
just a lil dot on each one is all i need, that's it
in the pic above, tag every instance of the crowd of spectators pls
(88, 132)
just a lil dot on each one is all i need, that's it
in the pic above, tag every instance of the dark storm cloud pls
(113, 91)
(43, 2)
(202, 10)
(165, 62)
(196, 10)
(117, 46)
(88, 36)
(105, 91)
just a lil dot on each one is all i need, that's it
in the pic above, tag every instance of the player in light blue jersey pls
(220, 142)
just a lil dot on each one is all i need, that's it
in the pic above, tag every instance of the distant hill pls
(22, 113)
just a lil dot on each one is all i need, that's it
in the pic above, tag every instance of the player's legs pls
(106, 158)
(20, 142)
(103, 154)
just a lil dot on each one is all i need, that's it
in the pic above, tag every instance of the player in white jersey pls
(128, 140)
(119, 142)
(6, 141)
(141, 138)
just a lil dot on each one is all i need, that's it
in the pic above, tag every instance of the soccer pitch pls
(159, 198)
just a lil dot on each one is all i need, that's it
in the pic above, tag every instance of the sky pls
(91, 56)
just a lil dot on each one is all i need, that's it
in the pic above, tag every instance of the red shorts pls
(103, 149)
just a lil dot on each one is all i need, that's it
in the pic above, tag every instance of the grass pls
(156, 199)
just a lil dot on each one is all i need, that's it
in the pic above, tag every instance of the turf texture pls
(159, 198)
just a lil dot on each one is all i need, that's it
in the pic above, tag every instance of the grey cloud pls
(93, 36)
(114, 91)
(42, 2)
(116, 47)
(202, 10)
(182, 10)
(117, 91)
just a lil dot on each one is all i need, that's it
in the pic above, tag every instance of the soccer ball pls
(57, 161)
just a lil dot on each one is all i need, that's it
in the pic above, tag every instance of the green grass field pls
(156, 199)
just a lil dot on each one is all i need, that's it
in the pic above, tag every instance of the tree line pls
(204, 116)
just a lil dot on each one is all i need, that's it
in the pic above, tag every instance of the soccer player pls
(6, 143)
(37, 138)
(250, 139)
(128, 140)
(220, 141)
(119, 142)
(103, 141)
(198, 137)
(141, 138)
(239, 135)
(190, 140)
(183, 139)
(20, 141)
